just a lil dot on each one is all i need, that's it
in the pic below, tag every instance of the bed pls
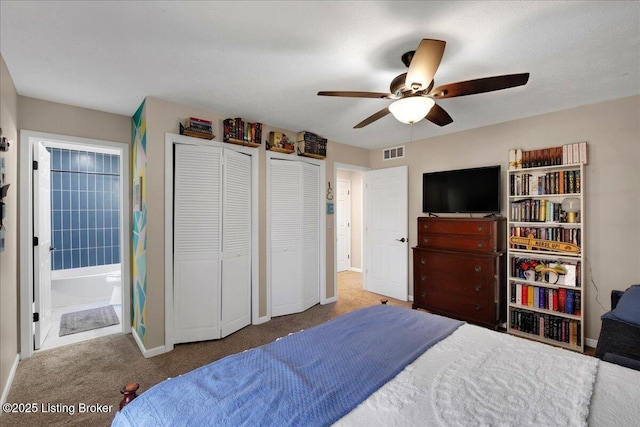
(391, 366)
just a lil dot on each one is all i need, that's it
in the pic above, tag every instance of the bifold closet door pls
(236, 242)
(311, 234)
(196, 250)
(293, 235)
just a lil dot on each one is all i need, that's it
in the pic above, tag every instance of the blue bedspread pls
(310, 378)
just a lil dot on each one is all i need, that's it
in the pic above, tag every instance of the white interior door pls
(343, 224)
(386, 232)
(197, 230)
(42, 252)
(236, 242)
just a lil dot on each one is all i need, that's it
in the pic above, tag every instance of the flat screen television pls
(475, 190)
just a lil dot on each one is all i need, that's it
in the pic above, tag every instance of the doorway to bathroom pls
(72, 287)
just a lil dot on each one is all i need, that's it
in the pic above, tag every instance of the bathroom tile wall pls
(85, 208)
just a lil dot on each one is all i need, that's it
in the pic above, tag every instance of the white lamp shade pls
(411, 109)
(571, 204)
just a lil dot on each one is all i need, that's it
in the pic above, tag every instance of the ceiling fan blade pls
(380, 114)
(487, 84)
(424, 64)
(438, 116)
(354, 94)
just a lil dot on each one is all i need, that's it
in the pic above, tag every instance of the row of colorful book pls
(538, 210)
(561, 300)
(551, 327)
(238, 131)
(558, 182)
(567, 154)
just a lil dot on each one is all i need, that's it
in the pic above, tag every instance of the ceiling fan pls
(413, 91)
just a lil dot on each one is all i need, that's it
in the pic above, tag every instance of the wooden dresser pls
(459, 268)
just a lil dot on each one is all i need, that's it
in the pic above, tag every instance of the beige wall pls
(9, 257)
(164, 116)
(50, 117)
(612, 196)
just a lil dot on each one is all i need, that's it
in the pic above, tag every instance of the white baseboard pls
(147, 353)
(590, 342)
(329, 300)
(357, 270)
(261, 320)
(7, 387)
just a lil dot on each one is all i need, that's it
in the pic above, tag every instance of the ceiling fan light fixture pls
(412, 109)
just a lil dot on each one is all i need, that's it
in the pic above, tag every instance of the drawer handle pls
(478, 287)
(481, 228)
(478, 268)
(423, 260)
(478, 307)
(425, 226)
(425, 239)
(423, 294)
(480, 244)
(423, 277)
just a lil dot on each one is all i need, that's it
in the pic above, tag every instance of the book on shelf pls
(570, 299)
(240, 131)
(567, 154)
(548, 326)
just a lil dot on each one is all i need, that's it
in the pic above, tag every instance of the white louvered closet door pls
(285, 236)
(311, 234)
(197, 230)
(236, 242)
(294, 213)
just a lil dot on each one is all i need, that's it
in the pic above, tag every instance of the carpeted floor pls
(88, 376)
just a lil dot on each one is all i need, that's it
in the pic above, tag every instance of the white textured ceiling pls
(265, 61)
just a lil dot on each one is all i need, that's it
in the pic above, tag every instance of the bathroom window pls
(85, 208)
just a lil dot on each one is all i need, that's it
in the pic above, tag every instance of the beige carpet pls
(92, 372)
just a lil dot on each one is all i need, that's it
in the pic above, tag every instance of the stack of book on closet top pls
(199, 128)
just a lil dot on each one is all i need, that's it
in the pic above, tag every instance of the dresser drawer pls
(454, 242)
(476, 287)
(457, 306)
(466, 226)
(457, 264)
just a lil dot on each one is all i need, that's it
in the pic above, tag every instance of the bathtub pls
(82, 285)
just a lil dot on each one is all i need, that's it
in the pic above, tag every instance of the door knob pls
(402, 240)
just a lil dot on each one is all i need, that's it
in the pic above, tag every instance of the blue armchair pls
(619, 340)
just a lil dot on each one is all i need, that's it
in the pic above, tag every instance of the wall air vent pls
(393, 153)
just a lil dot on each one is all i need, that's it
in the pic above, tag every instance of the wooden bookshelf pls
(244, 143)
(546, 292)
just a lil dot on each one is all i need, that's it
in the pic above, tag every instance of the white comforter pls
(481, 377)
